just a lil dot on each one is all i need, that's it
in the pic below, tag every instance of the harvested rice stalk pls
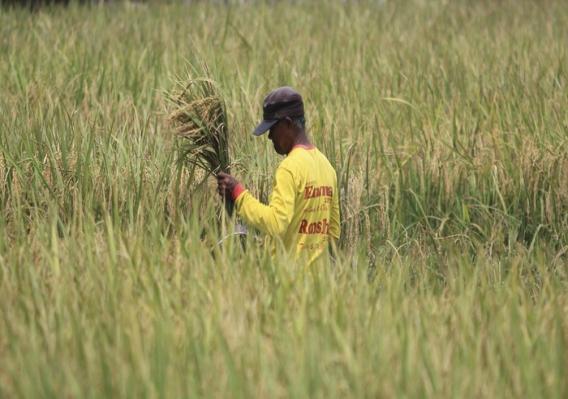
(200, 121)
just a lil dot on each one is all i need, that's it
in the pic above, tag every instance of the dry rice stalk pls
(199, 119)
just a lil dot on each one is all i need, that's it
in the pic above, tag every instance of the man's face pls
(282, 136)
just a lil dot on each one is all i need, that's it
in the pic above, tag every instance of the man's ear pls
(289, 123)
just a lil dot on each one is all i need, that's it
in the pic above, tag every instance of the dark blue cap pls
(278, 104)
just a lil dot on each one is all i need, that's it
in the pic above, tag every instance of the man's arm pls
(272, 219)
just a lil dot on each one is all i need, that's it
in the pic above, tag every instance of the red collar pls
(305, 147)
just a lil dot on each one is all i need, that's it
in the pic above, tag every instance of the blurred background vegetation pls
(447, 123)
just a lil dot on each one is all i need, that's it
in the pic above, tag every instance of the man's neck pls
(302, 140)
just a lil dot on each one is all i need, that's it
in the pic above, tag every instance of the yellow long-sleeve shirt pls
(303, 211)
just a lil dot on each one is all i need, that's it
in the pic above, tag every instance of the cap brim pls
(263, 127)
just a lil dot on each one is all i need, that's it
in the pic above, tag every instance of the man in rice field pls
(303, 211)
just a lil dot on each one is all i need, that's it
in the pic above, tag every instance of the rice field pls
(447, 123)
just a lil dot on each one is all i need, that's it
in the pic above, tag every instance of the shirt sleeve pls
(274, 218)
(335, 224)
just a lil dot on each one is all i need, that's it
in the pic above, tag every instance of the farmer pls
(303, 211)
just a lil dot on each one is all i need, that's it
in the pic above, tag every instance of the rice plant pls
(200, 121)
(447, 125)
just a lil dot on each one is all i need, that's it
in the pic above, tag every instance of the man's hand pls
(225, 185)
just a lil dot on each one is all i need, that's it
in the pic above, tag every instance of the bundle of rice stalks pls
(199, 118)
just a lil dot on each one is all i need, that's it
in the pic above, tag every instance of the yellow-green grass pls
(447, 123)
